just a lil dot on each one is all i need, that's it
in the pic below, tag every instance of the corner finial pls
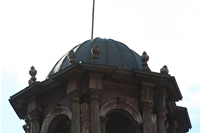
(164, 70)
(144, 59)
(71, 56)
(32, 72)
(95, 51)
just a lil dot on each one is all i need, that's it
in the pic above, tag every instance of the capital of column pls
(161, 113)
(34, 116)
(94, 95)
(75, 96)
(147, 106)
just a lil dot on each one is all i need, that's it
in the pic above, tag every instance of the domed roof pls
(112, 53)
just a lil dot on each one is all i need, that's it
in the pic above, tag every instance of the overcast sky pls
(39, 32)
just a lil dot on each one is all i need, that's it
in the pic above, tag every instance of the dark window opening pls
(119, 123)
(60, 124)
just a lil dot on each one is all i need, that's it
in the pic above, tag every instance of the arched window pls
(119, 123)
(60, 124)
(120, 117)
(57, 121)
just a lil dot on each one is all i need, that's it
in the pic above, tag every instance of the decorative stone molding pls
(116, 104)
(75, 96)
(34, 116)
(94, 95)
(147, 106)
(55, 112)
(161, 113)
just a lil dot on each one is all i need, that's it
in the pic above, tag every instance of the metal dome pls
(112, 53)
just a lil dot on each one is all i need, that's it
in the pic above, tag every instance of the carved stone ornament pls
(71, 56)
(26, 127)
(144, 59)
(114, 104)
(164, 70)
(95, 51)
(32, 72)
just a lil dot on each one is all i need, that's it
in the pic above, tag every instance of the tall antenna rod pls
(92, 19)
